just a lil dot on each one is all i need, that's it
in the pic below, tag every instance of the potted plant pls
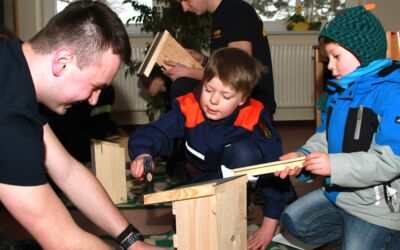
(299, 22)
(188, 29)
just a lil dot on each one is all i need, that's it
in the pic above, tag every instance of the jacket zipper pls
(358, 124)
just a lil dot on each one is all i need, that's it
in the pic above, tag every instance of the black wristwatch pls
(129, 236)
(135, 236)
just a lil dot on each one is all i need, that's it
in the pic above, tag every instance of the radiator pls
(128, 96)
(293, 75)
(293, 79)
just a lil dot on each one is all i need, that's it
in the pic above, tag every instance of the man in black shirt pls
(72, 59)
(234, 24)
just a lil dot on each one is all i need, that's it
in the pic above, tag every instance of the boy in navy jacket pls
(221, 126)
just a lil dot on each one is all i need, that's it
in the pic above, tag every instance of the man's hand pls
(137, 166)
(141, 245)
(176, 71)
(199, 57)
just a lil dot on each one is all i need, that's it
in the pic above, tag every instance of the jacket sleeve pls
(316, 142)
(157, 138)
(275, 190)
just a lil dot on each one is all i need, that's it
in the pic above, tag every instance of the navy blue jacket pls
(206, 139)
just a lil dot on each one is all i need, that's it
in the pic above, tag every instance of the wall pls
(386, 11)
(32, 15)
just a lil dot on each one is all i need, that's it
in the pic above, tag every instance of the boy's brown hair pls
(235, 68)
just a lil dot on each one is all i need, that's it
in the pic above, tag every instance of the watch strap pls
(132, 238)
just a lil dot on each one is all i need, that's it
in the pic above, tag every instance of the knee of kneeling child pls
(241, 153)
(289, 225)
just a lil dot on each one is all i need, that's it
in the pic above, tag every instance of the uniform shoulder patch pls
(265, 129)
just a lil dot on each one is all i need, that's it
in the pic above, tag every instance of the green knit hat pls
(359, 31)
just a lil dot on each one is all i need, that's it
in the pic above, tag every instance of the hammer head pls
(148, 174)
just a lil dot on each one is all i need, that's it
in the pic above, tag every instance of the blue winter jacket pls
(361, 133)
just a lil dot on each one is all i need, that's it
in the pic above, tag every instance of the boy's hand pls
(292, 172)
(263, 236)
(137, 167)
(318, 163)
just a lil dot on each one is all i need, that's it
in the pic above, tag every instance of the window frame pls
(133, 30)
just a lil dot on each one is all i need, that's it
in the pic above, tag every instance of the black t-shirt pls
(21, 125)
(236, 20)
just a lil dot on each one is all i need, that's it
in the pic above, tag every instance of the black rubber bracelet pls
(129, 229)
(131, 239)
(205, 60)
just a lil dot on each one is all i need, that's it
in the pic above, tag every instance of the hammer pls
(148, 174)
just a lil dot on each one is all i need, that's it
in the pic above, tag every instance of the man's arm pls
(41, 212)
(72, 178)
(84, 190)
(244, 45)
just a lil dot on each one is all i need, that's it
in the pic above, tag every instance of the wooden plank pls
(393, 45)
(123, 142)
(196, 224)
(231, 217)
(151, 56)
(185, 193)
(108, 164)
(271, 167)
(231, 183)
(195, 190)
(165, 47)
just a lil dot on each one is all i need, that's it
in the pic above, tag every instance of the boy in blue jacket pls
(221, 126)
(357, 147)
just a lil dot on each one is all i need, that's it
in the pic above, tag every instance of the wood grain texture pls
(108, 164)
(271, 167)
(165, 47)
(194, 190)
(218, 221)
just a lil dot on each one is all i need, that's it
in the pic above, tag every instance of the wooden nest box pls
(210, 215)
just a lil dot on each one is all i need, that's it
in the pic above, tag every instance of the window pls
(273, 12)
(124, 11)
(276, 10)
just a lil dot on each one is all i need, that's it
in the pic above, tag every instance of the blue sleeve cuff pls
(304, 151)
(305, 176)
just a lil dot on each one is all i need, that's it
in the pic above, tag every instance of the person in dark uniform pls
(234, 24)
(220, 126)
